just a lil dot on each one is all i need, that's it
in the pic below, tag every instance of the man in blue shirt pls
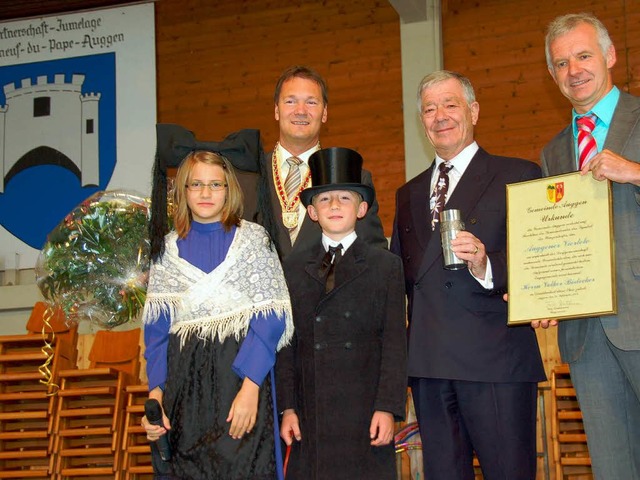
(603, 352)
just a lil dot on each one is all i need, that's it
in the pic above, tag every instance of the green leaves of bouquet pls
(96, 261)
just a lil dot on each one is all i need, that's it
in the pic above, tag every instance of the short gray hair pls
(566, 23)
(441, 76)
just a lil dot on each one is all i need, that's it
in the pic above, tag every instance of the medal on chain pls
(289, 205)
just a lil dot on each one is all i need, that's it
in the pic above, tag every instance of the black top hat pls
(336, 168)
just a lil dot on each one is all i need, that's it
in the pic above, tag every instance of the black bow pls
(328, 266)
(174, 142)
(242, 148)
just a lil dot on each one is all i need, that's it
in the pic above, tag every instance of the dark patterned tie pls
(587, 146)
(328, 266)
(439, 194)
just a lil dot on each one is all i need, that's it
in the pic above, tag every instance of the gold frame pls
(561, 265)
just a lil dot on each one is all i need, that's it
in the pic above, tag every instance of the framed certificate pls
(560, 253)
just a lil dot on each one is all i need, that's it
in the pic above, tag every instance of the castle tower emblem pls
(50, 123)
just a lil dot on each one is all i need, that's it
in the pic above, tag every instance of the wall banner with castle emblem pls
(77, 115)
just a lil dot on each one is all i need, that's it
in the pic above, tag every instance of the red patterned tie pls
(587, 146)
(439, 194)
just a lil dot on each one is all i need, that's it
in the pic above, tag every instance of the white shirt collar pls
(346, 241)
(461, 161)
(304, 156)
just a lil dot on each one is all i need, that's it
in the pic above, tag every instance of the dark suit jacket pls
(558, 156)
(369, 228)
(458, 330)
(347, 359)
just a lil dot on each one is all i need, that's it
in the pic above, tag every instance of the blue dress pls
(201, 379)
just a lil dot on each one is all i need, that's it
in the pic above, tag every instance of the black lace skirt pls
(200, 389)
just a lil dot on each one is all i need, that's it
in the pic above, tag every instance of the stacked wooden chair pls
(28, 384)
(136, 462)
(90, 411)
(570, 451)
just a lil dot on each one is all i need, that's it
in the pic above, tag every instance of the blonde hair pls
(233, 205)
(357, 196)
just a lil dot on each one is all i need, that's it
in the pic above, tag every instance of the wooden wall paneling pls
(514, 15)
(632, 52)
(218, 63)
(500, 47)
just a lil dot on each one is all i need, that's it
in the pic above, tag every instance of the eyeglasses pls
(199, 186)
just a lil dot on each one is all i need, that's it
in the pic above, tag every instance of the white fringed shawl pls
(220, 304)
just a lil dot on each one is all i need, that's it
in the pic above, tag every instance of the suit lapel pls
(307, 232)
(352, 264)
(283, 234)
(420, 213)
(472, 185)
(314, 263)
(308, 227)
(624, 121)
(564, 154)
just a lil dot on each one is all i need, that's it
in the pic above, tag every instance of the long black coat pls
(347, 360)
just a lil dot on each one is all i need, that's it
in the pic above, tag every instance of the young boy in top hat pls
(342, 382)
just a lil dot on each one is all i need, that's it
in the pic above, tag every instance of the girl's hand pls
(155, 431)
(244, 409)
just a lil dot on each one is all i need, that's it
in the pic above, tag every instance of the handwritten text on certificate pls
(560, 250)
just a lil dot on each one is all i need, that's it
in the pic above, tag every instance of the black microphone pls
(154, 416)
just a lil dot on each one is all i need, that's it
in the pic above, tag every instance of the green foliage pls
(95, 263)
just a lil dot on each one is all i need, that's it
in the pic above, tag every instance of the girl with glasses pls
(217, 310)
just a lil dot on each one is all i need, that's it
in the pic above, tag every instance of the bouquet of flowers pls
(96, 261)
